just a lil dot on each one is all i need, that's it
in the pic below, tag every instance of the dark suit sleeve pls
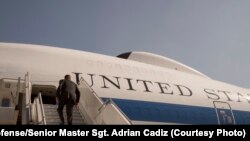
(59, 88)
(77, 94)
(58, 91)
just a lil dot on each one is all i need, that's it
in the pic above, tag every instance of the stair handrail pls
(41, 108)
(98, 98)
(104, 103)
(27, 87)
(120, 111)
(82, 80)
(37, 111)
(26, 104)
(14, 97)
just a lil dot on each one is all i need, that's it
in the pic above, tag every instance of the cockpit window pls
(124, 55)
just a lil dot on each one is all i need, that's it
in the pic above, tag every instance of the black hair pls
(66, 76)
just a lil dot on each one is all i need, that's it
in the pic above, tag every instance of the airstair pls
(53, 119)
(16, 106)
(46, 114)
(97, 111)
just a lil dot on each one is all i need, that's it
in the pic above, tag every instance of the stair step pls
(64, 110)
(58, 120)
(57, 117)
(64, 113)
(52, 117)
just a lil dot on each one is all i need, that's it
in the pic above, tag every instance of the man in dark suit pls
(69, 95)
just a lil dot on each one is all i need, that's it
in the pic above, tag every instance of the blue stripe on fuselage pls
(173, 113)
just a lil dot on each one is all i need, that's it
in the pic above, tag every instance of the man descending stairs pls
(52, 117)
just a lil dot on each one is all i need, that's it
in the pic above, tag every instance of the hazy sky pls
(212, 36)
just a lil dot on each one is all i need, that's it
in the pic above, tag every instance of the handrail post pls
(18, 90)
(25, 95)
(121, 112)
(107, 101)
(27, 86)
(28, 94)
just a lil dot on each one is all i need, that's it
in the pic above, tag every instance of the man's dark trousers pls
(65, 99)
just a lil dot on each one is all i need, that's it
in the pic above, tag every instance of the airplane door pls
(224, 113)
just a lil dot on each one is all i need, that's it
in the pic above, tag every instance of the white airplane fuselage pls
(144, 92)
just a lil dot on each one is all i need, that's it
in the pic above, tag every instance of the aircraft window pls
(124, 55)
(5, 102)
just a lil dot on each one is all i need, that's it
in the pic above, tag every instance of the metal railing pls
(42, 108)
(28, 88)
(111, 102)
(26, 100)
(32, 112)
(99, 111)
(37, 111)
(14, 97)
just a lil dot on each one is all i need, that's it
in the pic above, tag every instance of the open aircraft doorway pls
(224, 113)
(48, 93)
